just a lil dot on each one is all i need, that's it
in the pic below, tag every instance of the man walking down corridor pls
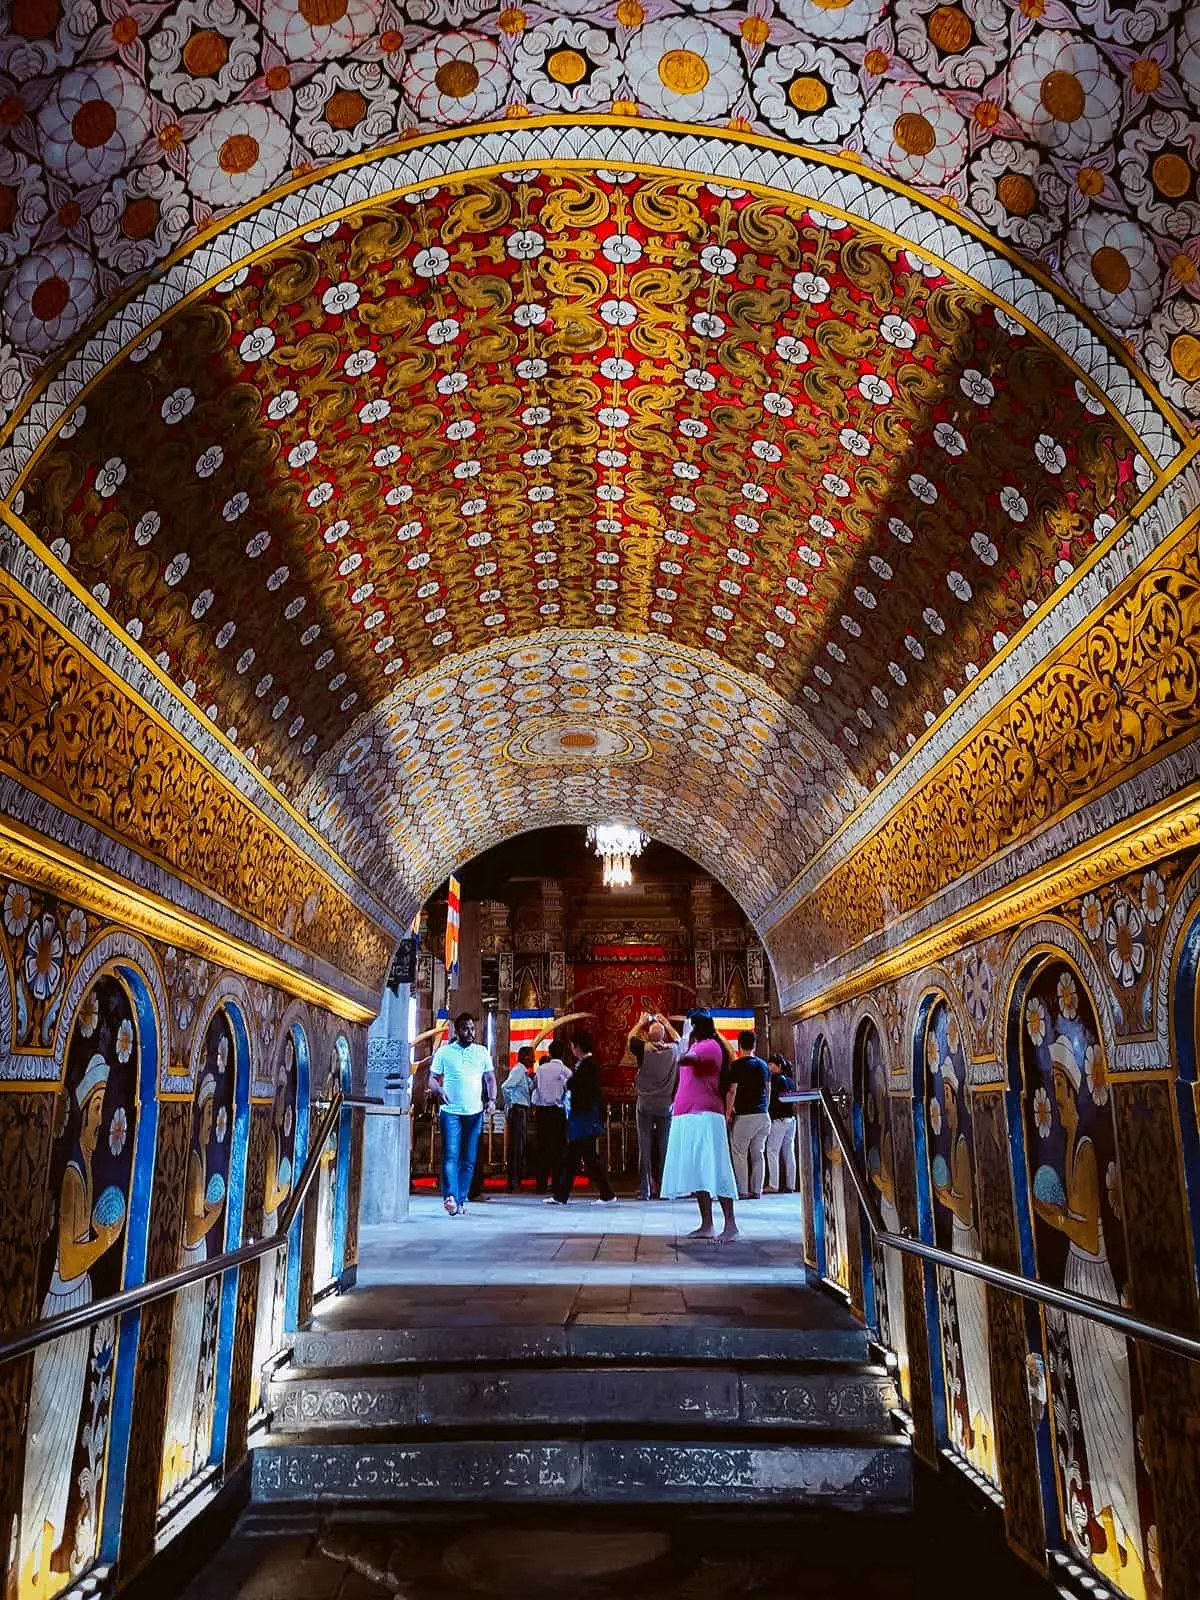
(747, 1107)
(462, 1079)
(656, 1048)
(550, 1118)
(518, 1103)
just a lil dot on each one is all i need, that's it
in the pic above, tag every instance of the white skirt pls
(698, 1157)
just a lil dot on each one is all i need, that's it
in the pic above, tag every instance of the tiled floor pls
(519, 1261)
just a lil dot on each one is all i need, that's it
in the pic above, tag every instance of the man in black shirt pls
(781, 1141)
(747, 1110)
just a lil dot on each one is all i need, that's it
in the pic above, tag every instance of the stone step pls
(846, 1474)
(843, 1397)
(828, 1336)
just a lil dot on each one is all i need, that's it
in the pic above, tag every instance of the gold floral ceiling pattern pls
(652, 405)
(1069, 130)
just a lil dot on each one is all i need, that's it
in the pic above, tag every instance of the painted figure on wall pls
(191, 1390)
(71, 1391)
(272, 1270)
(833, 1186)
(1080, 1243)
(962, 1300)
(327, 1177)
(880, 1153)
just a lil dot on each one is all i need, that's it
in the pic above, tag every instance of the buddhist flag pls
(523, 1028)
(730, 1023)
(453, 908)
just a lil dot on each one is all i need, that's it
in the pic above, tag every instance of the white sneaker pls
(602, 1202)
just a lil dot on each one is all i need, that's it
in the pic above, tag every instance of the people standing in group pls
(698, 1162)
(656, 1048)
(781, 1141)
(747, 1088)
(549, 1117)
(585, 1124)
(462, 1079)
(517, 1090)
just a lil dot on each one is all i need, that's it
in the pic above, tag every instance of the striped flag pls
(730, 1023)
(523, 1028)
(453, 910)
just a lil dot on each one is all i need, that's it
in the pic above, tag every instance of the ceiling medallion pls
(616, 844)
(574, 741)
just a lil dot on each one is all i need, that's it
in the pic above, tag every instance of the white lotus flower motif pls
(949, 439)
(920, 486)
(235, 506)
(431, 263)
(976, 387)
(177, 405)
(359, 362)
(529, 315)
(374, 411)
(301, 454)
(257, 344)
(1014, 503)
(875, 389)
(210, 461)
(282, 405)
(900, 530)
(1043, 1116)
(856, 443)
(789, 348)
(984, 549)
(444, 331)
(958, 586)
(716, 258)
(176, 569)
(622, 249)
(618, 313)
(524, 245)
(898, 331)
(778, 405)
(810, 287)
(708, 325)
(1050, 453)
(110, 477)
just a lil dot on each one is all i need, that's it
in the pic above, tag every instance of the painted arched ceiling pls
(482, 469)
(1067, 129)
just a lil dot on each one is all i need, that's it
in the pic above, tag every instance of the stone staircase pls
(608, 1410)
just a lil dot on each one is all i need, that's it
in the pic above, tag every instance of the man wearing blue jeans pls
(462, 1078)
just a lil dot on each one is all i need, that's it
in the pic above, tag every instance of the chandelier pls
(616, 845)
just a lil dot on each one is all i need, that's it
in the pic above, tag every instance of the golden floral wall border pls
(1116, 698)
(74, 734)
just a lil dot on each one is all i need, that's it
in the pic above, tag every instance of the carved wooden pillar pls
(756, 983)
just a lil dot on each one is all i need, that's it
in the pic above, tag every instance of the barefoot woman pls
(698, 1161)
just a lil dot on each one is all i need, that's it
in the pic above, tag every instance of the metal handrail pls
(1079, 1305)
(35, 1334)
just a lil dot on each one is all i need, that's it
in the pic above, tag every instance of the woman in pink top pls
(698, 1161)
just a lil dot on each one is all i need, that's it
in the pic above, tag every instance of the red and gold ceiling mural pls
(1066, 128)
(649, 405)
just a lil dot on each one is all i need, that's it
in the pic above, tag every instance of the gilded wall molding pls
(73, 878)
(1171, 826)
(1104, 715)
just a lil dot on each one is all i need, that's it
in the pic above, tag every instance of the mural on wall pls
(1079, 1242)
(833, 1186)
(962, 1300)
(879, 1151)
(281, 1164)
(325, 1264)
(82, 1259)
(192, 1388)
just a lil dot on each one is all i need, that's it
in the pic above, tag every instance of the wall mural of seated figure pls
(281, 1161)
(1079, 1240)
(962, 1300)
(880, 1152)
(192, 1385)
(82, 1260)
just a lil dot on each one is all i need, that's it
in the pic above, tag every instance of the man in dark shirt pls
(585, 1124)
(781, 1141)
(656, 1048)
(747, 1110)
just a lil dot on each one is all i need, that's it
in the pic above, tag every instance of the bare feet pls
(703, 1232)
(727, 1233)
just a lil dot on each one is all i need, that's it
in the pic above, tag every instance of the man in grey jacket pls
(656, 1048)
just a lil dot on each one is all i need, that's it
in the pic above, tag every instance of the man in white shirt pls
(550, 1119)
(463, 1079)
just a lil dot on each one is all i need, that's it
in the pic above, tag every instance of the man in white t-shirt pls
(550, 1119)
(463, 1079)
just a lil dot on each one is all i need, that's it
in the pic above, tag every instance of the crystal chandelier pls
(616, 845)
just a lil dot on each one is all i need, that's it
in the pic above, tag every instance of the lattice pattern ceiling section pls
(1067, 128)
(652, 404)
(711, 761)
